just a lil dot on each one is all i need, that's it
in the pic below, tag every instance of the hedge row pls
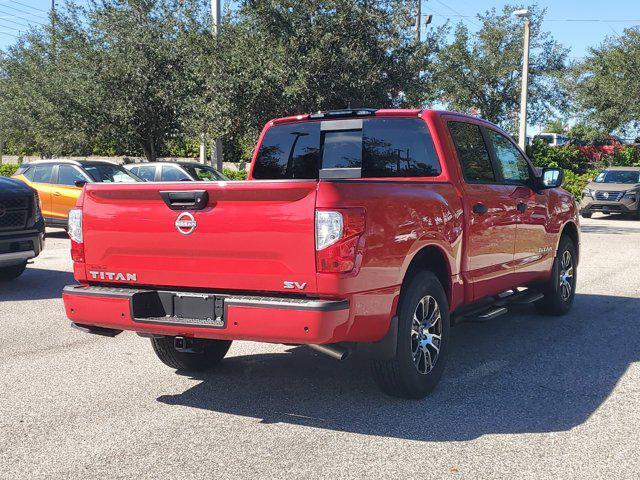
(7, 169)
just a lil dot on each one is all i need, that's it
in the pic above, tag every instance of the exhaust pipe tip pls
(334, 350)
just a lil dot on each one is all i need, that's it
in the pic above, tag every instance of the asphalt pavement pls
(523, 396)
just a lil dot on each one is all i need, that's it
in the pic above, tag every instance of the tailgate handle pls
(186, 199)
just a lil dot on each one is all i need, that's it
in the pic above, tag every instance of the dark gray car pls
(614, 190)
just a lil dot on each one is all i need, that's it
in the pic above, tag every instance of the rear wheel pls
(561, 288)
(204, 354)
(423, 341)
(14, 271)
(586, 214)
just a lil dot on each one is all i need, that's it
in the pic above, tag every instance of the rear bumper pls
(263, 319)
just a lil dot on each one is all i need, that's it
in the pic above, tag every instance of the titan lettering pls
(122, 277)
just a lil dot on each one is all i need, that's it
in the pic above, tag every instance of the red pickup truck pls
(368, 230)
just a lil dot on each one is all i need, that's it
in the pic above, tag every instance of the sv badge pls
(294, 285)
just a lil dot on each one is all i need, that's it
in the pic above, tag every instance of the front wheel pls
(423, 341)
(561, 288)
(586, 214)
(204, 354)
(14, 271)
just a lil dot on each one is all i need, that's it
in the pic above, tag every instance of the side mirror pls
(80, 183)
(550, 177)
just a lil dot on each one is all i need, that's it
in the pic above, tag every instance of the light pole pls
(522, 137)
(216, 147)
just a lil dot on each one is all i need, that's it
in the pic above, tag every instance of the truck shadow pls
(35, 284)
(521, 373)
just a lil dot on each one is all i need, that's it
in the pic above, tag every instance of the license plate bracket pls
(205, 310)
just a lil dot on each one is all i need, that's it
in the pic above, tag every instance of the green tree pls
(286, 57)
(481, 72)
(607, 84)
(114, 77)
(557, 125)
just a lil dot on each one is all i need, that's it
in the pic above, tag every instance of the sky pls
(577, 24)
(564, 19)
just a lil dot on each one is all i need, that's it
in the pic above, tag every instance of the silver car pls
(614, 190)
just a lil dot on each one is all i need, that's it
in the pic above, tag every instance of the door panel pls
(64, 193)
(533, 254)
(490, 214)
(490, 238)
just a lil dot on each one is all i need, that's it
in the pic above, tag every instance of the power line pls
(22, 11)
(20, 17)
(602, 20)
(9, 34)
(457, 12)
(28, 6)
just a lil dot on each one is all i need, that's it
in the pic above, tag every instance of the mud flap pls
(384, 349)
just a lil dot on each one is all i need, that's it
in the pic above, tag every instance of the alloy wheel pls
(566, 275)
(426, 334)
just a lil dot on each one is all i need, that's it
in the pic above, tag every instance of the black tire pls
(555, 301)
(14, 271)
(207, 353)
(400, 375)
(586, 214)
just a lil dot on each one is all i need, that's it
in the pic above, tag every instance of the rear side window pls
(380, 147)
(42, 173)
(398, 147)
(472, 152)
(289, 151)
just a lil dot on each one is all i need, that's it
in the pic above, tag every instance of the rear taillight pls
(338, 234)
(74, 227)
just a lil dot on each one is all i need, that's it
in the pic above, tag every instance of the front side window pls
(26, 172)
(204, 173)
(69, 175)
(174, 174)
(145, 172)
(109, 173)
(472, 152)
(42, 173)
(512, 165)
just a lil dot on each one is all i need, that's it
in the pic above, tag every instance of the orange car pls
(59, 183)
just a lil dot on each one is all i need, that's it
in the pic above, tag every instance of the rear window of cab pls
(378, 147)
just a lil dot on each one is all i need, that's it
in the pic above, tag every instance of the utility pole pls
(522, 135)
(418, 20)
(53, 14)
(216, 147)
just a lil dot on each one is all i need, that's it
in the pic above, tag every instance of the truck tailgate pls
(251, 236)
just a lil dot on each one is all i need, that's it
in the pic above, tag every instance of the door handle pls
(480, 208)
(57, 194)
(521, 207)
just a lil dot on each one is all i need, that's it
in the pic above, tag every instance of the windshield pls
(618, 176)
(204, 173)
(110, 174)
